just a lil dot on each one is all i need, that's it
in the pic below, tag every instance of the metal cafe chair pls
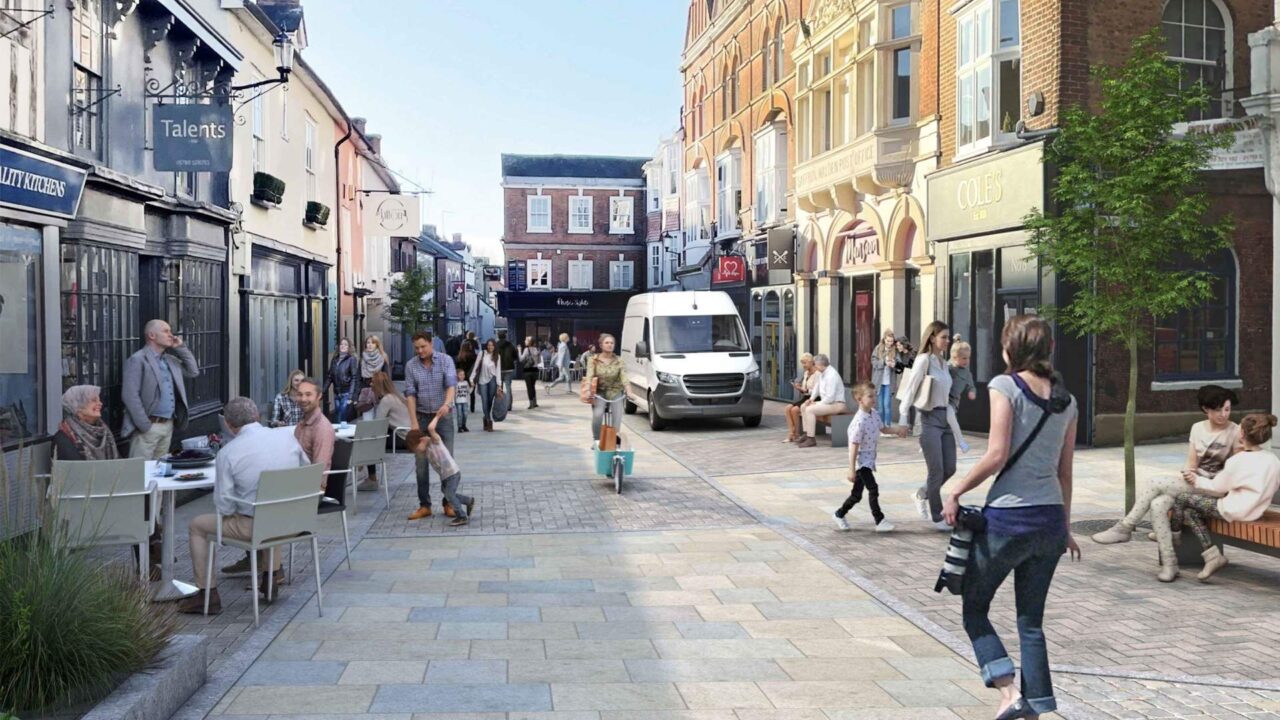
(370, 448)
(103, 502)
(283, 513)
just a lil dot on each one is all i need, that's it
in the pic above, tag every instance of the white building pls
(665, 241)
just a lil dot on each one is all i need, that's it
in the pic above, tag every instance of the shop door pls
(974, 318)
(773, 359)
(864, 318)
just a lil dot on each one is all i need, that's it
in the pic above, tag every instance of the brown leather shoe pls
(807, 442)
(194, 605)
(262, 582)
(448, 511)
(422, 512)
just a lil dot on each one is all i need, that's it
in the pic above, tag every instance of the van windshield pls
(698, 333)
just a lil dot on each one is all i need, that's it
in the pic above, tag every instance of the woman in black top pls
(342, 378)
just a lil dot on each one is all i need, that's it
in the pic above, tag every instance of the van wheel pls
(655, 422)
(752, 421)
(629, 407)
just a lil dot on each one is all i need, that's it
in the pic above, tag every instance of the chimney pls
(375, 143)
(358, 123)
(457, 238)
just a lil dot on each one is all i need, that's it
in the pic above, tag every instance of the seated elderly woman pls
(82, 435)
(804, 386)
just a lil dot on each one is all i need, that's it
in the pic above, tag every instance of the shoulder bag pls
(924, 393)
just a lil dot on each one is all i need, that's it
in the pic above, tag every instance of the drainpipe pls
(337, 218)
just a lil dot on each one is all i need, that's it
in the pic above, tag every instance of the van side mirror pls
(642, 349)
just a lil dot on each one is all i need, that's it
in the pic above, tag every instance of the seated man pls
(314, 432)
(253, 450)
(1212, 442)
(827, 399)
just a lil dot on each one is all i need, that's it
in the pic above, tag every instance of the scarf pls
(371, 361)
(95, 441)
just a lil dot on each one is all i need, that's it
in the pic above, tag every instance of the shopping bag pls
(608, 438)
(501, 405)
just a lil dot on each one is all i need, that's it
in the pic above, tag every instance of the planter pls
(157, 693)
(317, 214)
(267, 188)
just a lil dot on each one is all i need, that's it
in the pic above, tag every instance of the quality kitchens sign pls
(192, 138)
(391, 214)
(32, 183)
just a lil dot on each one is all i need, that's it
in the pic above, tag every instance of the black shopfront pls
(545, 314)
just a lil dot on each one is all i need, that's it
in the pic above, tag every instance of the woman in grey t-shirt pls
(1028, 513)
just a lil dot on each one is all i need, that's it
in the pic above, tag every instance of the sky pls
(452, 84)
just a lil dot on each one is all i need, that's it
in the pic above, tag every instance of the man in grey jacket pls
(155, 397)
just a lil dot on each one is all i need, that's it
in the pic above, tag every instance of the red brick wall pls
(515, 212)
(561, 256)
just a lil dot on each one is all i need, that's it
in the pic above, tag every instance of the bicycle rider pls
(610, 387)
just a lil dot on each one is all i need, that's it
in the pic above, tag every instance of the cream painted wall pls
(285, 151)
(21, 74)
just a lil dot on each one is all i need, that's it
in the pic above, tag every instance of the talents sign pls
(192, 138)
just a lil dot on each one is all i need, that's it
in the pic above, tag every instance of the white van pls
(687, 355)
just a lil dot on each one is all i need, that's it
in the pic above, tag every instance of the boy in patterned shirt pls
(430, 445)
(864, 433)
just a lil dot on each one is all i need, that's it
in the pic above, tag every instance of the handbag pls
(500, 407)
(924, 395)
(366, 401)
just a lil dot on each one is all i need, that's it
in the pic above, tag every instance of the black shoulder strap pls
(1013, 459)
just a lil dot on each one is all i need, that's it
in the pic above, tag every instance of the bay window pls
(580, 214)
(988, 74)
(653, 188)
(728, 191)
(672, 166)
(770, 174)
(697, 206)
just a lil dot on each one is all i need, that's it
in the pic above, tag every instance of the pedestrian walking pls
(864, 435)
(510, 361)
(929, 391)
(529, 370)
(461, 400)
(485, 379)
(153, 392)
(606, 384)
(962, 388)
(1028, 513)
(430, 383)
(284, 408)
(430, 447)
(827, 399)
(884, 374)
(560, 361)
(1242, 492)
(341, 378)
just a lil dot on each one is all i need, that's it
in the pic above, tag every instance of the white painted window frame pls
(541, 264)
(581, 275)
(615, 203)
(576, 204)
(530, 201)
(969, 20)
(615, 268)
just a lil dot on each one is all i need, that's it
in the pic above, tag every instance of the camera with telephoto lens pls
(969, 522)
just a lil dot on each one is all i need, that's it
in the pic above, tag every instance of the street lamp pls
(284, 63)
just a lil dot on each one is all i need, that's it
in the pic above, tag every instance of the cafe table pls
(168, 587)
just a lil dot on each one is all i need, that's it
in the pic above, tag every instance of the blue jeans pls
(460, 409)
(459, 502)
(507, 377)
(1032, 558)
(886, 404)
(340, 403)
(487, 392)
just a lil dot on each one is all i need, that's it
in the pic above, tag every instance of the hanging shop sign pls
(391, 214)
(29, 182)
(781, 248)
(730, 270)
(192, 138)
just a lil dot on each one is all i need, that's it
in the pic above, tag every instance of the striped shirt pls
(429, 385)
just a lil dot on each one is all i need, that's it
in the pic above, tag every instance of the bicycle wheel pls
(618, 468)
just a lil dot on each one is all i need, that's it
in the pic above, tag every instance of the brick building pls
(1005, 69)
(574, 241)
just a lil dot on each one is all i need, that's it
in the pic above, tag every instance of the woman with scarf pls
(374, 360)
(342, 378)
(82, 435)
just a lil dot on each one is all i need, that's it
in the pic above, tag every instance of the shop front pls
(545, 314)
(772, 317)
(976, 217)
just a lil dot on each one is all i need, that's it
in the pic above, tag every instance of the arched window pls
(733, 87)
(766, 59)
(1197, 37)
(1200, 343)
(777, 52)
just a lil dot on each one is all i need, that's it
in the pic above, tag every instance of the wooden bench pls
(839, 422)
(1260, 536)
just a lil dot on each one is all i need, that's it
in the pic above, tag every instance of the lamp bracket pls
(26, 24)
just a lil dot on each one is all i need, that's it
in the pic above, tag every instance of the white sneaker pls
(922, 504)
(841, 524)
(884, 526)
(942, 526)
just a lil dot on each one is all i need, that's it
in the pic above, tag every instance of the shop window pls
(1197, 35)
(200, 321)
(100, 326)
(1199, 343)
(22, 381)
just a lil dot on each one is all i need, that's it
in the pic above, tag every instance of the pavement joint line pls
(216, 686)
(565, 531)
(1206, 680)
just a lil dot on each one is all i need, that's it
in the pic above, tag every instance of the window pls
(655, 264)
(581, 275)
(621, 275)
(653, 188)
(22, 357)
(697, 207)
(99, 320)
(724, 93)
(778, 52)
(766, 61)
(672, 166)
(539, 274)
(901, 33)
(199, 303)
(259, 129)
(734, 87)
(1200, 343)
(539, 214)
(771, 174)
(989, 74)
(309, 157)
(86, 82)
(1196, 38)
(580, 214)
(728, 191)
(622, 215)
(699, 333)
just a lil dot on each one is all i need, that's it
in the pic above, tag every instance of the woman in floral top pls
(610, 384)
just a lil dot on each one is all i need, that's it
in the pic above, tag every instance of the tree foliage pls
(1129, 207)
(409, 309)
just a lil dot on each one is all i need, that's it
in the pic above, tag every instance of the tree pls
(1129, 207)
(412, 306)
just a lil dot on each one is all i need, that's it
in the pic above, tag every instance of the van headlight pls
(668, 378)
(754, 374)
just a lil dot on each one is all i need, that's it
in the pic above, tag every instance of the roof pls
(574, 166)
(286, 14)
(433, 247)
